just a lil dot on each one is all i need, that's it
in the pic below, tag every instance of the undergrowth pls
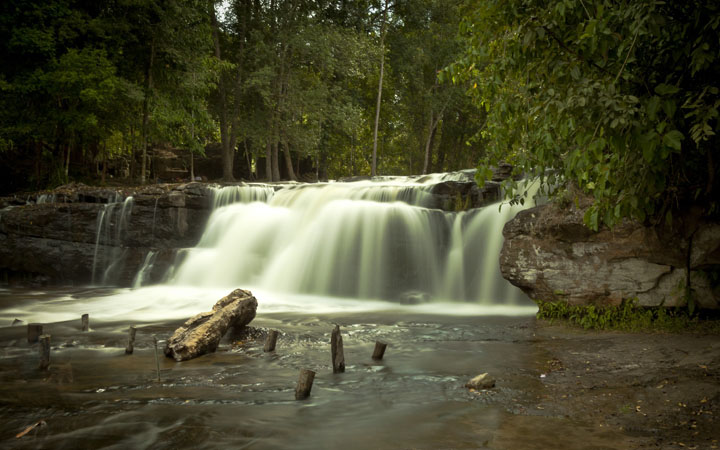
(629, 317)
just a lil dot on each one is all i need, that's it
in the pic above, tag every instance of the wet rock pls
(550, 254)
(482, 381)
(201, 334)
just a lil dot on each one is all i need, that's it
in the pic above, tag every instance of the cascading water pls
(112, 224)
(362, 240)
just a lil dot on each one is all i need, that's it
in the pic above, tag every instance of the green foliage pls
(619, 98)
(626, 317)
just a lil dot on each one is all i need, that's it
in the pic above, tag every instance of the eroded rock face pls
(201, 334)
(552, 256)
(56, 240)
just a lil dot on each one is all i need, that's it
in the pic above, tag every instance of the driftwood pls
(201, 334)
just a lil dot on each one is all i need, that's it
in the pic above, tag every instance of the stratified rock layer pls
(57, 241)
(550, 254)
(201, 334)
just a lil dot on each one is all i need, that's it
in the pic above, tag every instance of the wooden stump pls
(336, 349)
(44, 352)
(34, 331)
(379, 350)
(85, 322)
(304, 385)
(271, 341)
(131, 341)
(157, 360)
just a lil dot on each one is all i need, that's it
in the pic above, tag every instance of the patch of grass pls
(629, 317)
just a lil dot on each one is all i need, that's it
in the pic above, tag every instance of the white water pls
(352, 240)
(112, 223)
(308, 249)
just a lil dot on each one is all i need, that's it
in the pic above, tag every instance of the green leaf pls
(652, 107)
(666, 89)
(673, 139)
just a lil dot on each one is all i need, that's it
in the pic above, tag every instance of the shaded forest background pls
(277, 89)
(616, 99)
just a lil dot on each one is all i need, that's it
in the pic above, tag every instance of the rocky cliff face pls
(552, 256)
(56, 239)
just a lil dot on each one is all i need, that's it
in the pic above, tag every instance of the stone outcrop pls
(201, 334)
(550, 254)
(53, 237)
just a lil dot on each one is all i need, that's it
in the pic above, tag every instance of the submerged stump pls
(34, 331)
(201, 334)
(131, 341)
(44, 352)
(336, 349)
(304, 384)
(271, 341)
(379, 350)
(85, 322)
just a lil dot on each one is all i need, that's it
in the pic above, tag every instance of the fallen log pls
(201, 334)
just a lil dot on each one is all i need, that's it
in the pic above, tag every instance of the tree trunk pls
(67, 161)
(146, 111)
(227, 149)
(104, 162)
(288, 161)
(275, 165)
(373, 170)
(434, 121)
(268, 162)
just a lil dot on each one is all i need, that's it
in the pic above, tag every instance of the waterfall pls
(112, 224)
(145, 270)
(363, 240)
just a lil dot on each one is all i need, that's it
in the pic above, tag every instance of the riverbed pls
(556, 387)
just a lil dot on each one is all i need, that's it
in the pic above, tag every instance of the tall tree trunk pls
(268, 162)
(434, 120)
(104, 162)
(288, 161)
(67, 161)
(373, 170)
(227, 149)
(146, 110)
(275, 165)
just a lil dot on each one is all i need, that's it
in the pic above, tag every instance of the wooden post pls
(304, 385)
(271, 341)
(157, 361)
(34, 331)
(44, 352)
(85, 320)
(131, 341)
(379, 350)
(336, 348)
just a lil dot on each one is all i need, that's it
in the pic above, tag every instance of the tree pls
(619, 98)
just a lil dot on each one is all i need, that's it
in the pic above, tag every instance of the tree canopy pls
(278, 85)
(617, 97)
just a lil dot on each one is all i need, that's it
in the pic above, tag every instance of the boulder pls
(201, 334)
(550, 254)
(482, 381)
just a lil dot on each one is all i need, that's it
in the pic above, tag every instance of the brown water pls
(95, 396)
